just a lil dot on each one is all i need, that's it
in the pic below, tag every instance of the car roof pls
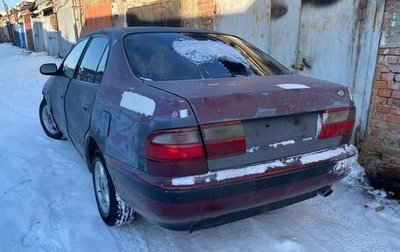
(119, 32)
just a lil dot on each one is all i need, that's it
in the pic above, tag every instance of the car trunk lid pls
(279, 114)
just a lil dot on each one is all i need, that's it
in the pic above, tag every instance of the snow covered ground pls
(47, 201)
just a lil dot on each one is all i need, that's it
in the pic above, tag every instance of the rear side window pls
(88, 68)
(69, 65)
(101, 67)
(179, 56)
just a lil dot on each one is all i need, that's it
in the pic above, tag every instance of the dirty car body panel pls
(199, 128)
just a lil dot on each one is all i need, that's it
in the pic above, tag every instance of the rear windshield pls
(180, 56)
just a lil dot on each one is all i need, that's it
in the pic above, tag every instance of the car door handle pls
(61, 95)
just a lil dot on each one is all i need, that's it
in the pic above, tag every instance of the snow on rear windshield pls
(206, 51)
(165, 56)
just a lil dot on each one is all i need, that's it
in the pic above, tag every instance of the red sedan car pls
(193, 128)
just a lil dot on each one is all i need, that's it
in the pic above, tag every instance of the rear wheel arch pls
(112, 209)
(91, 148)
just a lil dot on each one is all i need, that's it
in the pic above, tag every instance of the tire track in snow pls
(142, 236)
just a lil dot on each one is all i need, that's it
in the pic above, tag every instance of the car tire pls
(112, 208)
(46, 120)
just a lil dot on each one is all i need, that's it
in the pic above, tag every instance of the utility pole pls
(9, 28)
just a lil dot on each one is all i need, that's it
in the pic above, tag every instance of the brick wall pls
(206, 11)
(380, 152)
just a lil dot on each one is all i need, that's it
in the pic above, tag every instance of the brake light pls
(175, 145)
(224, 140)
(337, 122)
(181, 152)
(177, 152)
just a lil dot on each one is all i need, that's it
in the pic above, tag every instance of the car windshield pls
(179, 56)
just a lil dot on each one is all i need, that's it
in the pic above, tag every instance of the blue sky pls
(10, 4)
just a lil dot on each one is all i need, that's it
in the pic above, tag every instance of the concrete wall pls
(380, 152)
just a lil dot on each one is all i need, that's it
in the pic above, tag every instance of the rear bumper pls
(223, 196)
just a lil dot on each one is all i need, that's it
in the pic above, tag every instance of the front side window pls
(69, 65)
(179, 56)
(91, 60)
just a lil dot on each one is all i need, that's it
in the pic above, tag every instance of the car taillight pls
(337, 122)
(224, 139)
(181, 152)
(175, 145)
(177, 152)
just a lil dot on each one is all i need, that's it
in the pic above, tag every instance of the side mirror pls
(48, 69)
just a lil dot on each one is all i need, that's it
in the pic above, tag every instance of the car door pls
(82, 90)
(60, 84)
